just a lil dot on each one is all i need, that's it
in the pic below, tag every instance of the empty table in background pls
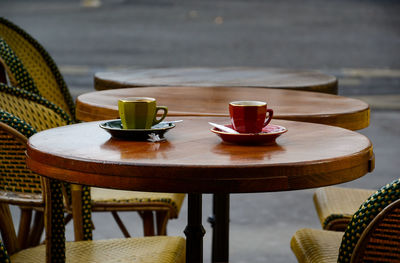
(218, 77)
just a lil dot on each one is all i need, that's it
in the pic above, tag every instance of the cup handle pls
(270, 114)
(163, 108)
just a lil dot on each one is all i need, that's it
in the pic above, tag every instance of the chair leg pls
(7, 230)
(67, 218)
(37, 229)
(120, 224)
(148, 222)
(24, 227)
(162, 218)
(76, 194)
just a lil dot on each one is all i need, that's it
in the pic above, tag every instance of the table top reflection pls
(193, 159)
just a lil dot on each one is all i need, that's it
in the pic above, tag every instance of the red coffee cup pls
(249, 116)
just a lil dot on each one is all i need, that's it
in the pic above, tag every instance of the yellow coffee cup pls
(140, 112)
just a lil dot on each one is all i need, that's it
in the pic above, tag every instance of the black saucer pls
(114, 127)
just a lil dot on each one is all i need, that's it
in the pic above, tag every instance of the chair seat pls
(147, 249)
(316, 246)
(102, 198)
(336, 205)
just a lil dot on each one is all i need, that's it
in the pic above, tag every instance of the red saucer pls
(267, 136)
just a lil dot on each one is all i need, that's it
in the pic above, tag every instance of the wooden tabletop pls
(218, 77)
(194, 160)
(213, 101)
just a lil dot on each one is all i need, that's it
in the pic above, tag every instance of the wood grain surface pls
(194, 160)
(218, 77)
(203, 101)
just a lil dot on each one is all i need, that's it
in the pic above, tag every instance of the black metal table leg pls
(220, 238)
(194, 231)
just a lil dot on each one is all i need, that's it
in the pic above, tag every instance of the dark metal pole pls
(220, 238)
(194, 231)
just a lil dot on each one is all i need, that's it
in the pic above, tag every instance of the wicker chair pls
(372, 235)
(18, 185)
(42, 75)
(147, 249)
(31, 68)
(335, 206)
(43, 115)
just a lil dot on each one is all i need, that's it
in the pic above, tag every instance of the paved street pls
(357, 41)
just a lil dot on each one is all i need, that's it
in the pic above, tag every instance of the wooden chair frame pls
(361, 250)
(27, 236)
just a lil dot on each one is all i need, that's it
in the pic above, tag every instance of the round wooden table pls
(213, 101)
(193, 160)
(218, 77)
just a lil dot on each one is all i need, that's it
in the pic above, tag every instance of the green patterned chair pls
(18, 185)
(161, 249)
(373, 234)
(31, 68)
(41, 74)
(43, 114)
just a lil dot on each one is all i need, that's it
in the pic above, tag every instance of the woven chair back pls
(39, 65)
(29, 114)
(14, 176)
(381, 240)
(374, 227)
(37, 111)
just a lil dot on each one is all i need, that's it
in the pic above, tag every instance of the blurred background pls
(357, 41)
